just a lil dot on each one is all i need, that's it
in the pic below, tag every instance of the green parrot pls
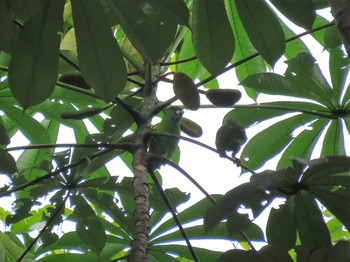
(162, 145)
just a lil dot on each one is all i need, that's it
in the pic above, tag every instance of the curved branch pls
(232, 159)
(176, 219)
(123, 145)
(47, 225)
(133, 112)
(58, 171)
(188, 176)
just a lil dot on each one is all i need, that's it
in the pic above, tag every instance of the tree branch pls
(176, 219)
(47, 225)
(232, 159)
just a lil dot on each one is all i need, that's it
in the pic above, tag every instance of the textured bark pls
(341, 13)
(141, 212)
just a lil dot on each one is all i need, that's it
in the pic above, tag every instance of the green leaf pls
(303, 145)
(7, 163)
(89, 228)
(100, 59)
(244, 49)
(34, 64)
(304, 70)
(274, 84)
(334, 144)
(332, 37)
(192, 213)
(232, 200)
(302, 13)
(281, 226)
(262, 28)
(4, 137)
(340, 252)
(175, 10)
(26, 9)
(149, 31)
(193, 68)
(249, 115)
(212, 35)
(272, 140)
(183, 251)
(28, 125)
(311, 227)
(6, 18)
(339, 69)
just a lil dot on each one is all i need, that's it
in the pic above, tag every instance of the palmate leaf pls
(298, 137)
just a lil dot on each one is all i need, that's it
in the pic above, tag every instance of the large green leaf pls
(303, 144)
(302, 13)
(304, 70)
(245, 194)
(34, 64)
(281, 226)
(148, 30)
(38, 161)
(249, 115)
(183, 251)
(339, 70)
(100, 59)
(262, 28)
(89, 228)
(312, 229)
(243, 49)
(7, 163)
(175, 10)
(192, 68)
(334, 144)
(6, 18)
(271, 141)
(212, 35)
(28, 125)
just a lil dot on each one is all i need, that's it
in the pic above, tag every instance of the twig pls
(176, 219)
(42, 231)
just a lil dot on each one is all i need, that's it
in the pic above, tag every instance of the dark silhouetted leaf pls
(262, 28)
(212, 35)
(34, 64)
(100, 59)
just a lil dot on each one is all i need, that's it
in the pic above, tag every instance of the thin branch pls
(232, 159)
(77, 89)
(178, 62)
(47, 225)
(69, 61)
(43, 146)
(135, 82)
(188, 176)
(175, 217)
(58, 171)
(133, 112)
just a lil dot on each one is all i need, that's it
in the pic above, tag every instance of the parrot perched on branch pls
(162, 145)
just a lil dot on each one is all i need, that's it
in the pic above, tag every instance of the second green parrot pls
(162, 145)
